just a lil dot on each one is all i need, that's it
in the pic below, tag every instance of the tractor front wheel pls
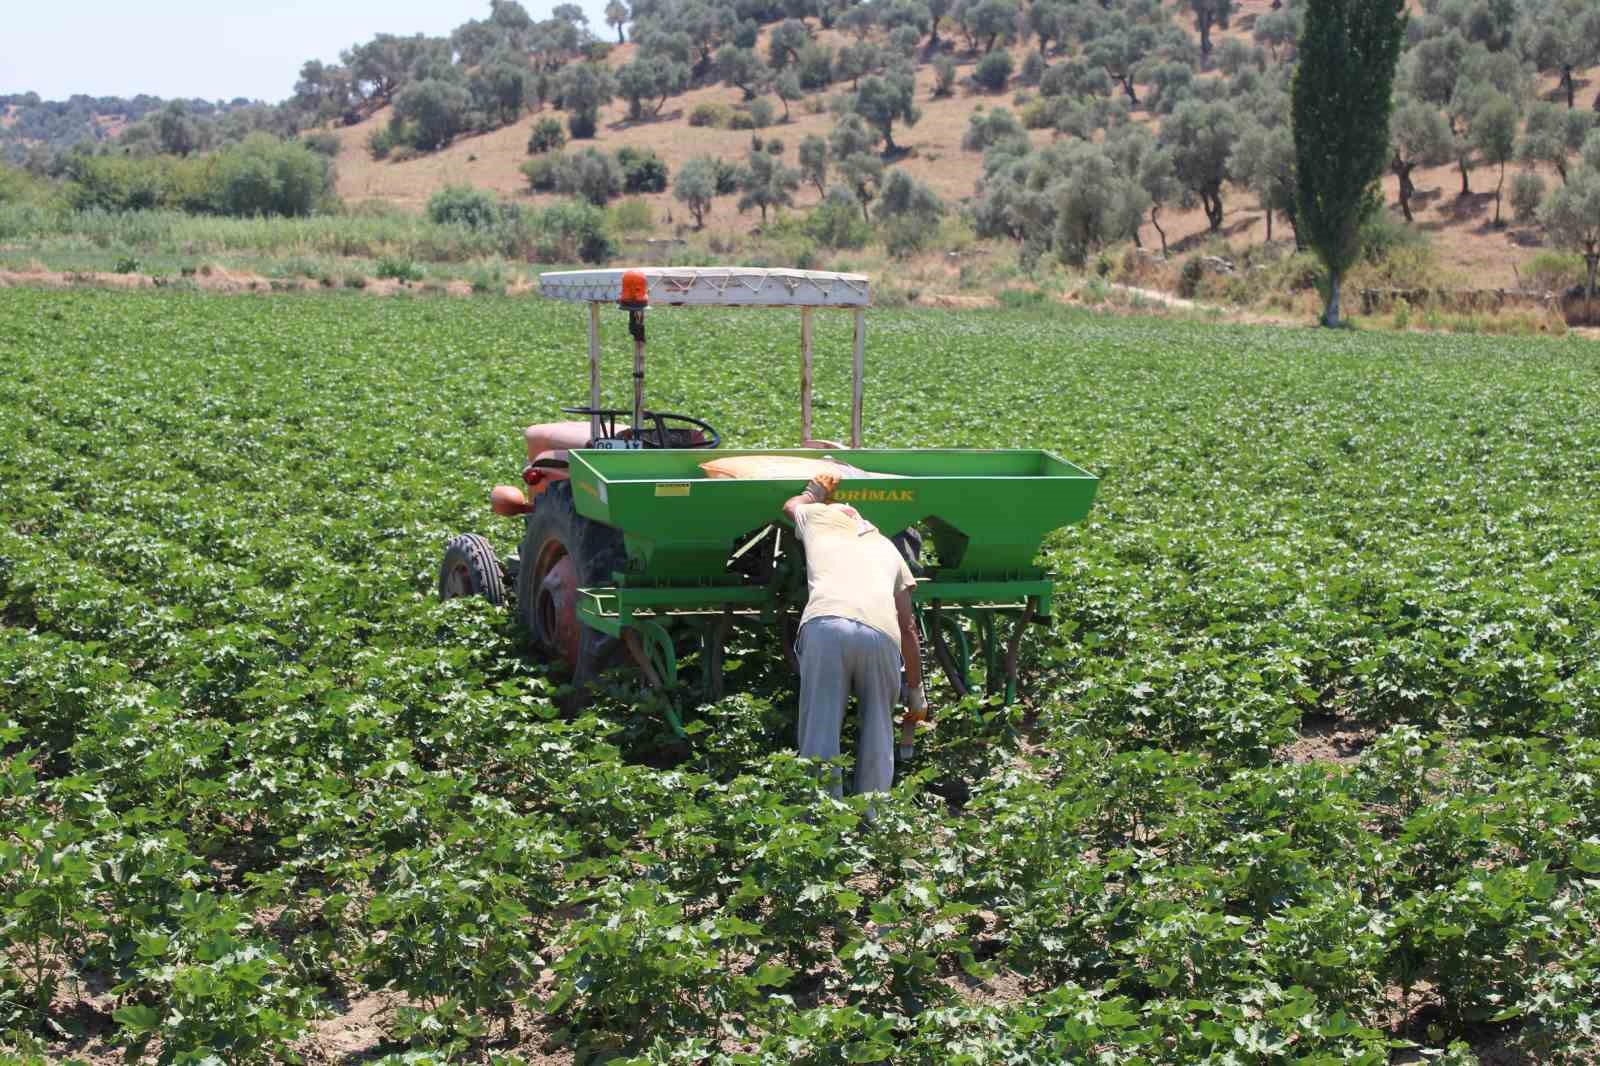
(562, 552)
(469, 568)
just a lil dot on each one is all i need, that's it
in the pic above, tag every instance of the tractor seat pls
(549, 442)
(545, 437)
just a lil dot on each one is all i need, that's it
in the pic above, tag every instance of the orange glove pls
(821, 487)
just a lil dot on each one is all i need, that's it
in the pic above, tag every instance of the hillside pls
(1458, 226)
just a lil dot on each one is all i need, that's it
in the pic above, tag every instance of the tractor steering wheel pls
(660, 435)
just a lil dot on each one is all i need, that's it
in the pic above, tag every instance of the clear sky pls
(211, 49)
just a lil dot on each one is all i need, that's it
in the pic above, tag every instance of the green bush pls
(576, 230)
(1527, 193)
(1382, 236)
(993, 71)
(837, 223)
(542, 173)
(380, 142)
(547, 136)
(762, 113)
(323, 142)
(642, 170)
(432, 112)
(260, 176)
(583, 123)
(402, 270)
(713, 115)
(1554, 271)
(463, 205)
(631, 216)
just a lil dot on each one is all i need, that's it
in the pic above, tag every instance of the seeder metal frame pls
(681, 593)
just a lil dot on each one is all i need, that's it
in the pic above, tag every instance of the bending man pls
(856, 632)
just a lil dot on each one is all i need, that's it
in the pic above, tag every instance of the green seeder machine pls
(630, 549)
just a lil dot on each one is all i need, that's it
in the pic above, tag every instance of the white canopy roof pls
(715, 286)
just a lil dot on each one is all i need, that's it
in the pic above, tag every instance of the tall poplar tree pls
(1342, 89)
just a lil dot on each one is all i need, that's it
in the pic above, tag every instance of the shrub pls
(265, 176)
(993, 71)
(402, 270)
(727, 177)
(709, 114)
(1527, 193)
(380, 142)
(1554, 271)
(632, 216)
(1381, 237)
(543, 172)
(583, 123)
(762, 113)
(463, 205)
(836, 222)
(1032, 69)
(944, 77)
(577, 230)
(988, 128)
(642, 170)
(815, 68)
(593, 175)
(547, 136)
(323, 142)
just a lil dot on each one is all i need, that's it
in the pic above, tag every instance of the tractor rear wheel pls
(469, 568)
(562, 551)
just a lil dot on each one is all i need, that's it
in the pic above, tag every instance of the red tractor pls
(561, 550)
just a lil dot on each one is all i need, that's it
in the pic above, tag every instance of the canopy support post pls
(636, 327)
(805, 374)
(858, 379)
(594, 369)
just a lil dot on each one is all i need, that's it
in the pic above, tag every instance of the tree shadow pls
(1558, 95)
(647, 120)
(1526, 237)
(900, 152)
(1469, 205)
(1421, 198)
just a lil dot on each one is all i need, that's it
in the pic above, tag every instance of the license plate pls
(615, 444)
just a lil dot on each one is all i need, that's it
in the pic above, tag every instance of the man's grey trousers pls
(838, 656)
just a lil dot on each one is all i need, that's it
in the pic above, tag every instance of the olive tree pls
(1133, 148)
(617, 16)
(584, 88)
(1095, 203)
(742, 69)
(433, 112)
(1209, 14)
(696, 186)
(1418, 136)
(814, 161)
(1551, 134)
(1571, 218)
(651, 78)
(855, 160)
(1494, 135)
(765, 182)
(883, 101)
(1562, 37)
(909, 212)
(1200, 137)
(1263, 162)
